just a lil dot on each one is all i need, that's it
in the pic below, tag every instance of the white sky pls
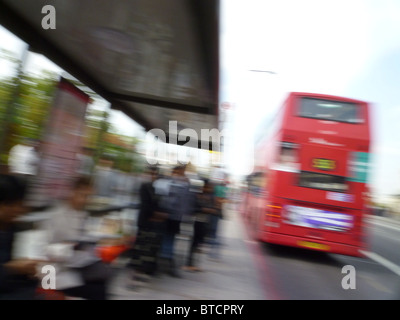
(339, 47)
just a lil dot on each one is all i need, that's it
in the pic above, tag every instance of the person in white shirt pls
(81, 273)
(23, 158)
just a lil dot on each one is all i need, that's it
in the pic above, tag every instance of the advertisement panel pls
(59, 146)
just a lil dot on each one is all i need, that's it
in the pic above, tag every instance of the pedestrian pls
(150, 224)
(23, 158)
(220, 192)
(80, 270)
(205, 206)
(177, 203)
(17, 281)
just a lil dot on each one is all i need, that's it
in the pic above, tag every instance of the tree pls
(25, 100)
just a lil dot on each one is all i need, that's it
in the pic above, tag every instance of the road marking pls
(384, 224)
(381, 260)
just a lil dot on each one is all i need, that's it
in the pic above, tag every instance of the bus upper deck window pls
(330, 110)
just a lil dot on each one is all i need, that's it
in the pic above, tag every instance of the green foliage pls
(24, 106)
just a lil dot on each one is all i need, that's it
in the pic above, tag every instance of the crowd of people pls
(165, 202)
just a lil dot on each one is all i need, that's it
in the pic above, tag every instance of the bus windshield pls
(329, 110)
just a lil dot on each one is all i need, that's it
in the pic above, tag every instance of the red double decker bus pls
(309, 185)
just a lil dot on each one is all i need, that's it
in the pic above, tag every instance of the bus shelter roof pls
(155, 60)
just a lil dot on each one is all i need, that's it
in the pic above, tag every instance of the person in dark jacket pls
(205, 206)
(150, 224)
(17, 281)
(178, 205)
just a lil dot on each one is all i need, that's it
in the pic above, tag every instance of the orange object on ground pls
(109, 253)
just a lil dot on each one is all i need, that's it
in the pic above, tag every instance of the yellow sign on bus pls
(324, 164)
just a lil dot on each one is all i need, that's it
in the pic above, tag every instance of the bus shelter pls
(157, 61)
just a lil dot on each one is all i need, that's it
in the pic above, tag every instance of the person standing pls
(149, 232)
(23, 158)
(178, 204)
(205, 206)
(220, 192)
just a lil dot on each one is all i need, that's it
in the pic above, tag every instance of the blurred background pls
(230, 70)
(261, 62)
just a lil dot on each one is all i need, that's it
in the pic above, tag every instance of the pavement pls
(234, 276)
(241, 273)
